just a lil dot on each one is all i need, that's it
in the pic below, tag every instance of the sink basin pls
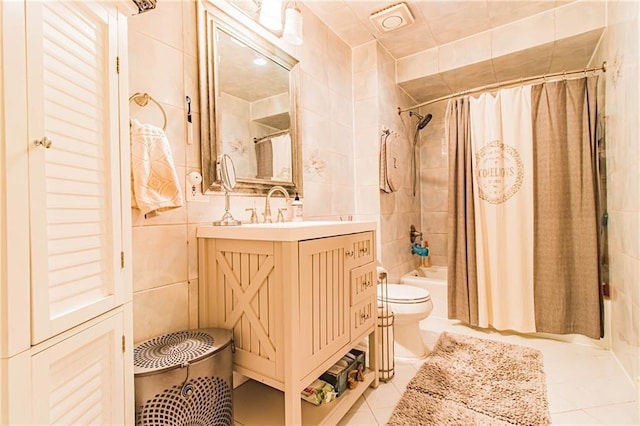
(285, 231)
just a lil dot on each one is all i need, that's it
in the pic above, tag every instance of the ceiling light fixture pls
(271, 18)
(271, 14)
(292, 25)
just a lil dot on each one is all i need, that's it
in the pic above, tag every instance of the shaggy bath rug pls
(471, 381)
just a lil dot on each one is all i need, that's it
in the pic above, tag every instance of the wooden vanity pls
(298, 296)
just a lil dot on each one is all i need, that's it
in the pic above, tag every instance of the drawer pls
(362, 282)
(363, 317)
(359, 249)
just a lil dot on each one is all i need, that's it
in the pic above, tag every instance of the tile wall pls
(434, 183)
(163, 63)
(377, 98)
(621, 50)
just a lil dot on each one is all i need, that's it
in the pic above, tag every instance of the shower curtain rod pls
(514, 82)
(278, 133)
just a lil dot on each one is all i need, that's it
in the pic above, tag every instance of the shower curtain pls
(501, 141)
(462, 292)
(568, 296)
(522, 231)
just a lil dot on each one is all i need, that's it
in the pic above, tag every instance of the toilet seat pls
(404, 294)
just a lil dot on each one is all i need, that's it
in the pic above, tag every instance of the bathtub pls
(434, 279)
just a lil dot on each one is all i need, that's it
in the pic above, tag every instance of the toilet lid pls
(404, 293)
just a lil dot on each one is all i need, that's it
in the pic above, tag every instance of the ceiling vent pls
(392, 17)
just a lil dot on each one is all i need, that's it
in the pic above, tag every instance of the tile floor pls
(585, 384)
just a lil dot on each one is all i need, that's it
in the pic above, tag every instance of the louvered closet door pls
(78, 381)
(74, 184)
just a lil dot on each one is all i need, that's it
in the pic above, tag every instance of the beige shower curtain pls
(566, 278)
(462, 272)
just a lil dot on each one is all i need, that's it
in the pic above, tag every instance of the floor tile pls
(618, 414)
(574, 418)
(358, 418)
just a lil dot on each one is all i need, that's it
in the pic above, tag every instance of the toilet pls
(410, 305)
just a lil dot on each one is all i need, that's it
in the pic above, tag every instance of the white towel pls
(281, 148)
(155, 184)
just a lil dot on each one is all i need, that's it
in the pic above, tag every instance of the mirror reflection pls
(248, 98)
(253, 95)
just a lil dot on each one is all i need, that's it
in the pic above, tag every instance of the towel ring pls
(142, 99)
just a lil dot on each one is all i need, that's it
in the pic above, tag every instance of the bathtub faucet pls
(415, 235)
(419, 249)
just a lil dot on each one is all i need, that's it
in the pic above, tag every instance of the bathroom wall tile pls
(475, 75)
(367, 199)
(190, 27)
(366, 140)
(364, 57)
(314, 126)
(435, 178)
(388, 203)
(192, 251)
(419, 65)
(573, 52)
(365, 84)
(313, 51)
(341, 140)
(154, 24)
(163, 80)
(366, 171)
(342, 200)
(435, 201)
(209, 210)
(434, 222)
(523, 34)
(159, 256)
(592, 15)
(431, 87)
(466, 51)
(367, 112)
(191, 83)
(341, 108)
(339, 75)
(313, 96)
(316, 199)
(509, 67)
(159, 311)
(437, 243)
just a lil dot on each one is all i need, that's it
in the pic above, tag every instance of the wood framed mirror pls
(249, 105)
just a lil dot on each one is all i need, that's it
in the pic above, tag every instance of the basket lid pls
(178, 349)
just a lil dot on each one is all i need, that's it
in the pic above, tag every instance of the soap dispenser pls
(296, 207)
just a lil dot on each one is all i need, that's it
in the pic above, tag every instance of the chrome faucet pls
(267, 205)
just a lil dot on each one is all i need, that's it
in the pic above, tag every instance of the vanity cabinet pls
(296, 305)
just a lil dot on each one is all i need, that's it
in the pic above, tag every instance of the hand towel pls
(155, 184)
(264, 158)
(281, 148)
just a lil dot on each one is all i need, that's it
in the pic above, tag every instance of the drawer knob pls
(349, 253)
(364, 250)
(364, 316)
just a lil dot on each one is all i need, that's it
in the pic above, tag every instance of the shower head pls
(423, 120)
